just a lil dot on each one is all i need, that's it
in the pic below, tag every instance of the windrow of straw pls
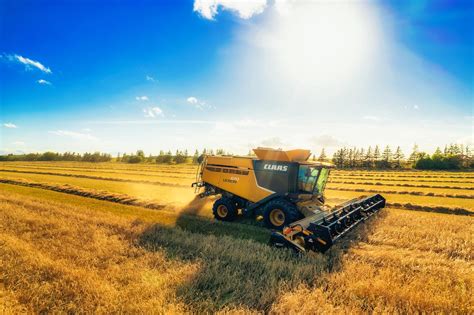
(414, 193)
(398, 185)
(114, 179)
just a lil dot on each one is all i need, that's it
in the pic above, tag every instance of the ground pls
(110, 237)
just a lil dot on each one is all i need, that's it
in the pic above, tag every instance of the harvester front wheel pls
(224, 209)
(278, 213)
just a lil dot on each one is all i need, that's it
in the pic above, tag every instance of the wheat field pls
(118, 238)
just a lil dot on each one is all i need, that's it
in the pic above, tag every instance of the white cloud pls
(43, 82)
(142, 98)
(274, 142)
(192, 100)
(416, 107)
(32, 63)
(198, 103)
(18, 143)
(150, 78)
(73, 134)
(153, 112)
(9, 125)
(245, 9)
(326, 141)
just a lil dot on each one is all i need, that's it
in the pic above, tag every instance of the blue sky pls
(119, 76)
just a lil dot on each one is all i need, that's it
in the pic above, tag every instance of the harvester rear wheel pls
(279, 213)
(224, 209)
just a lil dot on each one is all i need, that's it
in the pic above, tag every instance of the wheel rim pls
(222, 211)
(277, 217)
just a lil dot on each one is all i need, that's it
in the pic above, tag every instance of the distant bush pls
(439, 162)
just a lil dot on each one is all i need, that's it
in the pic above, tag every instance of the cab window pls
(307, 176)
(323, 177)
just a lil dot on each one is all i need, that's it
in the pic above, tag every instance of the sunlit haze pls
(234, 75)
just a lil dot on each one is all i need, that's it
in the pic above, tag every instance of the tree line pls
(453, 157)
(167, 157)
(54, 156)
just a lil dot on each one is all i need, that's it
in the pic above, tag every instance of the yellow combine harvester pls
(285, 189)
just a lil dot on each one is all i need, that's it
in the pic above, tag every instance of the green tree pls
(340, 158)
(369, 158)
(322, 157)
(398, 157)
(167, 158)
(414, 156)
(377, 155)
(386, 161)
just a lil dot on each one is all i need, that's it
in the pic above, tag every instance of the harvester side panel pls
(234, 175)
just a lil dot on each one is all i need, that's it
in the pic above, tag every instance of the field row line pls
(394, 179)
(409, 176)
(415, 193)
(183, 176)
(154, 170)
(38, 169)
(136, 181)
(95, 194)
(399, 185)
(128, 200)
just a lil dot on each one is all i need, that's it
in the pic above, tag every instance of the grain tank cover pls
(280, 155)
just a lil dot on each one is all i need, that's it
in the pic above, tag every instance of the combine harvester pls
(285, 189)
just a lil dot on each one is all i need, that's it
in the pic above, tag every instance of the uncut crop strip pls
(115, 179)
(414, 193)
(397, 185)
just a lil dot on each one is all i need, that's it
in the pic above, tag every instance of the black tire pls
(279, 213)
(224, 209)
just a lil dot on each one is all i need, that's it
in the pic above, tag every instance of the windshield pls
(323, 177)
(307, 176)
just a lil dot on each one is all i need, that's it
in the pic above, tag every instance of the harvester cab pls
(287, 191)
